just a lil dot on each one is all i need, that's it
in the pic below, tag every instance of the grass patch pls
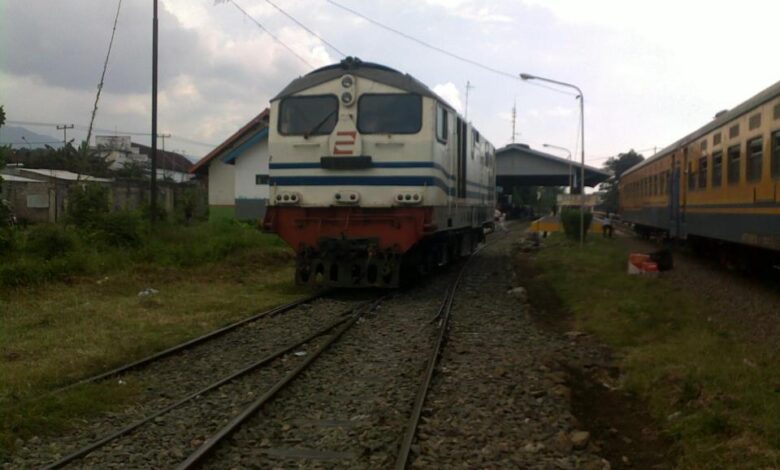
(53, 333)
(716, 396)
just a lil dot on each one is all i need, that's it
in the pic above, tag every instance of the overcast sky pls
(651, 71)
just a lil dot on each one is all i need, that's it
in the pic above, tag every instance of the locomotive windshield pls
(389, 114)
(308, 115)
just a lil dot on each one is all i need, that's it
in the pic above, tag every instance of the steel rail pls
(129, 428)
(185, 345)
(198, 457)
(444, 314)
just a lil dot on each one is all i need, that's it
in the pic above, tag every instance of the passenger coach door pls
(674, 198)
(462, 138)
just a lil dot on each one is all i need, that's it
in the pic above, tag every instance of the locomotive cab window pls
(389, 113)
(308, 115)
(441, 124)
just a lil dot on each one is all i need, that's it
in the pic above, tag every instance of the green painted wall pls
(221, 213)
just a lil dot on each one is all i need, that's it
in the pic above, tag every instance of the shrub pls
(50, 241)
(570, 219)
(87, 205)
(27, 271)
(8, 241)
(122, 229)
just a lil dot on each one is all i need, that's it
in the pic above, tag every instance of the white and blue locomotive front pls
(372, 172)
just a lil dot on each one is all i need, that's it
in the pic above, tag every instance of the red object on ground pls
(649, 267)
(398, 228)
(638, 258)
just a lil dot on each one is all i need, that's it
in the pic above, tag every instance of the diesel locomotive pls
(717, 186)
(373, 175)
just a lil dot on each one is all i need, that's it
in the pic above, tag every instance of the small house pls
(236, 172)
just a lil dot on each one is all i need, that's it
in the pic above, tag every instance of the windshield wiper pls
(319, 124)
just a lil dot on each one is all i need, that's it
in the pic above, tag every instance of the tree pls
(82, 160)
(617, 166)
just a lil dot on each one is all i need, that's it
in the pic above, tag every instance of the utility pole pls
(468, 87)
(153, 189)
(64, 128)
(163, 137)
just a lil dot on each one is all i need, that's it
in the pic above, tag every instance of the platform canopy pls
(520, 165)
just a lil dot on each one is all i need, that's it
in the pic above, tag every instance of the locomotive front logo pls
(347, 145)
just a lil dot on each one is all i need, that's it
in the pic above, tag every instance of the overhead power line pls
(307, 29)
(252, 19)
(441, 50)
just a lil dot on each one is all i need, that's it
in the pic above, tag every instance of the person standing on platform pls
(606, 226)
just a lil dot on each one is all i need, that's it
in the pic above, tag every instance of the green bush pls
(27, 271)
(121, 229)
(87, 205)
(570, 219)
(50, 241)
(8, 241)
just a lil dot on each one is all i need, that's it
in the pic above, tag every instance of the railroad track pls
(139, 363)
(333, 331)
(217, 425)
(443, 316)
(332, 431)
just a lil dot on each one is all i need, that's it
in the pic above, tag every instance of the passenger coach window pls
(776, 154)
(702, 172)
(754, 122)
(755, 157)
(733, 165)
(390, 114)
(308, 115)
(717, 169)
(441, 124)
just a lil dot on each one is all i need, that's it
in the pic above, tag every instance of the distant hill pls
(12, 135)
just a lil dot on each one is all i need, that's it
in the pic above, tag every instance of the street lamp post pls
(568, 153)
(581, 97)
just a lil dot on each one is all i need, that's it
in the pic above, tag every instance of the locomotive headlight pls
(346, 97)
(408, 198)
(347, 197)
(347, 81)
(286, 197)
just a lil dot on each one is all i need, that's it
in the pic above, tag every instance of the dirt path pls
(622, 430)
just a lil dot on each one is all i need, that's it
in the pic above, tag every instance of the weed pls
(722, 413)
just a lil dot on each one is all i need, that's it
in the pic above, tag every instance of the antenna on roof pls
(514, 120)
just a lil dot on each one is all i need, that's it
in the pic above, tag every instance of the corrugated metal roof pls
(65, 175)
(525, 148)
(18, 179)
(762, 97)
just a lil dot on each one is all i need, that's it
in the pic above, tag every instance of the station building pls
(236, 172)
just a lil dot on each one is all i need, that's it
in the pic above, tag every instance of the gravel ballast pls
(172, 378)
(496, 401)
